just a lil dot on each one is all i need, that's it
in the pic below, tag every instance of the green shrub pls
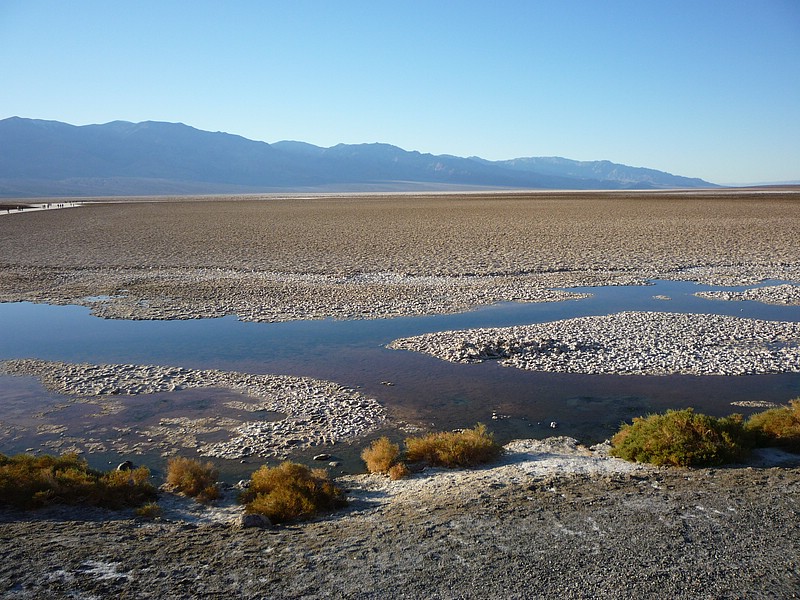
(192, 478)
(380, 455)
(682, 438)
(465, 448)
(28, 481)
(291, 491)
(777, 426)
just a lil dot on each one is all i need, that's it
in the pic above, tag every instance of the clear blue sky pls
(699, 88)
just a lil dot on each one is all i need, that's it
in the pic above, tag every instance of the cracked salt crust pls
(314, 412)
(627, 343)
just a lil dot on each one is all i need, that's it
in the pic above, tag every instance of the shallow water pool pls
(424, 390)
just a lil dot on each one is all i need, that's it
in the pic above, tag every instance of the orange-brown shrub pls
(380, 455)
(465, 448)
(291, 491)
(398, 471)
(28, 481)
(192, 478)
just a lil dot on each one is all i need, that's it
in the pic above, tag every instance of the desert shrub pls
(150, 511)
(190, 477)
(126, 488)
(465, 448)
(682, 438)
(398, 471)
(291, 491)
(777, 426)
(28, 481)
(380, 455)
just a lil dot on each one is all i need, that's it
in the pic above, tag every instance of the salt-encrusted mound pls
(630, 343)
(782, 295)
(316, 411)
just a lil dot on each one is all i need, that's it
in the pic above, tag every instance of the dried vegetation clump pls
(383, 456)
(290, 492)
(452, 449)
(778, 426)
(149, 511)
(466, 448)
(192, 478)
(398, 471)
(28, 482)
(380, 455)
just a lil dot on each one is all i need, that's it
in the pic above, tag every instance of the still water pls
(425, 390)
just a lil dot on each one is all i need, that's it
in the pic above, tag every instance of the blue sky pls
(698, 88)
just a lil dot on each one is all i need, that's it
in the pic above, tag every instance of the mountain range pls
(50, 158)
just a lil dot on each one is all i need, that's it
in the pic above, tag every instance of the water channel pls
(424, 390)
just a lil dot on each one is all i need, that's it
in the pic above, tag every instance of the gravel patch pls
(315, 412)
(628, 343)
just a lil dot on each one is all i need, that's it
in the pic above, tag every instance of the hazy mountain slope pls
(39, 158)
(602, 170)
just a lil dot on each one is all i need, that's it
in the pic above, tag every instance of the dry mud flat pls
(552, 520)
(273, 259)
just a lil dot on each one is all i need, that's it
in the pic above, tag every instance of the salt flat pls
(552, 519)
(278, 258)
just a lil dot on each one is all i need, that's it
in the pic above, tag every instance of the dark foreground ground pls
(726, 533)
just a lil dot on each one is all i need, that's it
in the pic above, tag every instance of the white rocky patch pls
(785, 295)
(629, 343)
(522, 462)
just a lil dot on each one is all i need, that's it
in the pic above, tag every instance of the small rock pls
(322, 456)
(553, 424)
(249, 521)
(125, 466)
(334, 463)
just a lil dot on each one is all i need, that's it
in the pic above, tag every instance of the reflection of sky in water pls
(427, 389)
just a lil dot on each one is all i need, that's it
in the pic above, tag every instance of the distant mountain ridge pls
(50, 158)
